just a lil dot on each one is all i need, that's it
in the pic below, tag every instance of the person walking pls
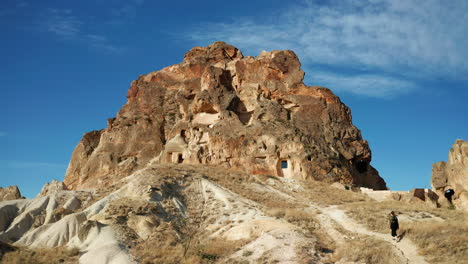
(393, 222)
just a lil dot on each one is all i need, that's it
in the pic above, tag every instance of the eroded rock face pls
(221, 108)
(53, 187)
(10, 193)
(453, 174)
(418, 195)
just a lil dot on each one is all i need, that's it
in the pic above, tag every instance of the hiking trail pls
(404, 249)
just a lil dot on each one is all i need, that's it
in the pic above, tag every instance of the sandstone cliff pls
(10, 193)
(218, 107)
(453, 174)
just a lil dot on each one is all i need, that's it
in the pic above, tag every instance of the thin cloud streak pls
(2, 134)
(365, 84)
(125, 13)
(419, 40)
(63, 24)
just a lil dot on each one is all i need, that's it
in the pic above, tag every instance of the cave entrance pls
(239, 108)
(180, 158)
(449, 194)
(174, 157)
(361, 166)
(284, 168)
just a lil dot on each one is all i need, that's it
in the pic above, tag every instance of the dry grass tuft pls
(439, 242)
(215, 249)
(366, 250)
(41, 256)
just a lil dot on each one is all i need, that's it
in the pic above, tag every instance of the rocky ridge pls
(10, 193)
(221, 108)
(453, 174)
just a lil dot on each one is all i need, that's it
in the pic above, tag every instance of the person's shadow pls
(400, 237)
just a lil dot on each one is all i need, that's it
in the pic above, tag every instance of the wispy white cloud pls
(126, 12)
(63, 24)
(373, 85)
(387, 43)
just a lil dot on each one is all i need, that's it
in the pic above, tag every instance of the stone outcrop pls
(10, 193)
(453, 174)
(418, 195)
(220, 108)
(53, 187)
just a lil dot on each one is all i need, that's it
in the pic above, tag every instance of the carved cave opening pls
(174, 157)
(284, 168)
(361, 166)
(449, 194)
(239, 108)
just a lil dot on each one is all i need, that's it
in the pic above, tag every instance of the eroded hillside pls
(198, 214)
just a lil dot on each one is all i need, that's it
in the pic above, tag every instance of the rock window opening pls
(180, 159)
(361, 166)
(284, 164)
(309, 158)
(239, 108)
(449, 194)
(284, 168)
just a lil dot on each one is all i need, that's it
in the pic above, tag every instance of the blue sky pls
(400, 65)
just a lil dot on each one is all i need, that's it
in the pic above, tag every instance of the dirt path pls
(404, 249)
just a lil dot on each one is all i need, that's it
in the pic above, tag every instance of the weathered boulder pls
(418, 195)
(218, 107)
(53, 187)
(10, 193)
(453, 174)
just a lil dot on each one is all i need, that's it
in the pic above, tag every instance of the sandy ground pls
(404, 249)
(227, 215)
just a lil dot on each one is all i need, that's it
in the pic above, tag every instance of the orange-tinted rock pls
(218, 107)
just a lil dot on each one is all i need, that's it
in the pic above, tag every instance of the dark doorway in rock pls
(361, 166)
(239, 108)
(284, 168)
(180, 158)
(284, 164)
(449, 194)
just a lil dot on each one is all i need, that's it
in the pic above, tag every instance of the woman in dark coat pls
(393, 222)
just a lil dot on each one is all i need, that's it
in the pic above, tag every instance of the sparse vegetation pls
(366, 250)
(439, 242)
(41, 256)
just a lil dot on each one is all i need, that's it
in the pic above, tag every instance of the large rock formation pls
(10, 193)
(453, 174)
(221, 108)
